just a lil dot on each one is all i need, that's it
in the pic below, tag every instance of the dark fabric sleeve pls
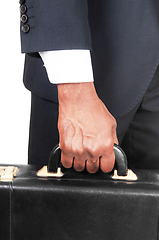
(55, 25)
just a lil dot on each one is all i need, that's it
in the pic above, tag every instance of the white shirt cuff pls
(68, 66)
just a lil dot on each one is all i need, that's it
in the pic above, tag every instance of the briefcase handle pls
(120, 160)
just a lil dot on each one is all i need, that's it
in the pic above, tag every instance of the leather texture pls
(79, 206)
(5, 211)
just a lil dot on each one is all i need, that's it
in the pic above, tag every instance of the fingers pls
(73, 158)
(79, 163)
(93, 157)
(102, 156)
(92, 164)
(87, 152)
(73, 153)
(66, 159)
(107, 163)
(66, 146)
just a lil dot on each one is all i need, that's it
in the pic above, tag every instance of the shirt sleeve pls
(68, 66)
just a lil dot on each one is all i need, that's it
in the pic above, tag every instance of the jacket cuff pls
(54, 25)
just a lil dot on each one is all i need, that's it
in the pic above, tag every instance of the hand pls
(87, 130)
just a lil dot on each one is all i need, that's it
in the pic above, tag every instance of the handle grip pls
(120, 160)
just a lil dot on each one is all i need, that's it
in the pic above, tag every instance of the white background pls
(14, 98)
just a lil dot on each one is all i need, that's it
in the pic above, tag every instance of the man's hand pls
(87, 130)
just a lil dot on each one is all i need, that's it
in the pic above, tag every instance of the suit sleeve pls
(48, 25)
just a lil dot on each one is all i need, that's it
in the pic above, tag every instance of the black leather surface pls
(83, 206)
(5, 207)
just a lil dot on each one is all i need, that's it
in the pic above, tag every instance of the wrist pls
(74, 93)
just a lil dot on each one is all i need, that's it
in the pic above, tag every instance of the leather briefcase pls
(37, 205)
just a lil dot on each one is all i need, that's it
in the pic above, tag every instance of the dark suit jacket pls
(123, 36)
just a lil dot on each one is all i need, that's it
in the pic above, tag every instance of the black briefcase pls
(37, 205)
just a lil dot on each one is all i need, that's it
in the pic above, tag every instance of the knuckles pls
(78, 151)
(75, 155)
(100, 148)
